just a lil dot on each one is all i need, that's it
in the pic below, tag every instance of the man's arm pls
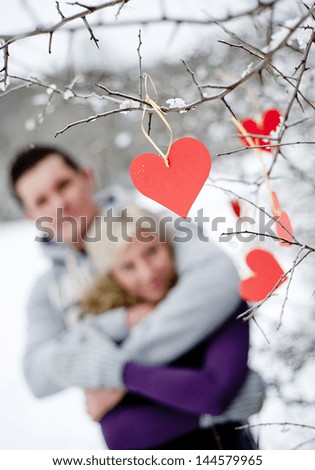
(205, 296)
(44, 325)
(46, 331)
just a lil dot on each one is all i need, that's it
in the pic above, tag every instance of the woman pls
(163, 405)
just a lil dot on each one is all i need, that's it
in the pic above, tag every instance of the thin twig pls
(260, 329)
(92, 36)
(10, 39)
(149, 122)
(120, 8)
(59, 11)
(296, 123)
(50, 42)
(295, 92)
(34, 81)
(265, 235)
(12, 89)
(267, 146)
(161, 19)
(140, 64)
(82, 5)
(42, 116)
(288, 287)
(93, 118)
(123, 95)
(229, 108)
(261, 210)
(292, 85)
(5, 65)
(254, 50)
(247, 426)
(193, 76)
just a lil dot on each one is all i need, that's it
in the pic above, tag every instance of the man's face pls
(63, 196)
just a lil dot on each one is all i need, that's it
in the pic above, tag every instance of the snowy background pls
(287, 363)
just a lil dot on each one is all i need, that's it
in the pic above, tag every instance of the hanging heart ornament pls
(177, 186)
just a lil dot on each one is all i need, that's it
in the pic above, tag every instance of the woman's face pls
(145, 268)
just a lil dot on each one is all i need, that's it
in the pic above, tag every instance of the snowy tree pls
(77, 79)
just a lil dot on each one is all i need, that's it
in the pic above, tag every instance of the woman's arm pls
(204, 298)
(207, 390)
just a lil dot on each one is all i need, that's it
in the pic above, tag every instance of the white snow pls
(176, 103)
(57, 422)
(303, 37)
(125, 104)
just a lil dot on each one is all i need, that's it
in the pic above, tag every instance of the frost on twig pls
(127, 104)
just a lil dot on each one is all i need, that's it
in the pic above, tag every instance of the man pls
(57, 194)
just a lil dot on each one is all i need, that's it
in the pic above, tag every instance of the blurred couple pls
(145, 325)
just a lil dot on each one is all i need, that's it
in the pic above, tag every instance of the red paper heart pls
(236, 207)
(269, 122)
(285, 221)
(178, 186)
(267, 273)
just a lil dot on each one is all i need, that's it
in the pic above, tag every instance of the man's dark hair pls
(28, 158)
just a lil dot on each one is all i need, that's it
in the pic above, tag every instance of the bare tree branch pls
(294, 94)
(267, 146)
(90, 8)
(268, 235)
(261, 209)
(120, 8)
(257, 9)
(5, 65)
(194, 79)
(205, 99)
(247, 426)
(140, 65)
(50, 42)
(123, 95)
(62, 16)
(10, 39)
(288, 287)
(92, 36)
(93, 118)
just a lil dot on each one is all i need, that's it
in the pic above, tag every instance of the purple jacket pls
(165, 402)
